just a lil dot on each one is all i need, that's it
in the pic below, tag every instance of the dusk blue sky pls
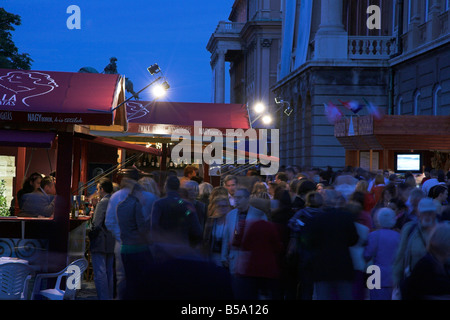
(139, 33)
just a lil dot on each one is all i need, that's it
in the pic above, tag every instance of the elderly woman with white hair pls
(381, 250)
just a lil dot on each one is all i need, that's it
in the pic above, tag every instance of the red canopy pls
(164, 117)
(58, 98)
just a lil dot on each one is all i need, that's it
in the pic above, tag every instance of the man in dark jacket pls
(102, 244)
(329, 235)
(175, 228)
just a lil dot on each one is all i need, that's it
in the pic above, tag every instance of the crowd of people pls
(306, 235)
(299, 235)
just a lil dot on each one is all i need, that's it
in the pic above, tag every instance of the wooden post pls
(20, 174)
(370, 160)
(358, 164)
(59, 235)
(84, 163)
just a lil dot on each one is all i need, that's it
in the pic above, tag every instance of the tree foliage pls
(10, 58)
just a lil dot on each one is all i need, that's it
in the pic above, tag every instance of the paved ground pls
(87, 291)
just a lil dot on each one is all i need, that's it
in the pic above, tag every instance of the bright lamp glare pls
(267, 119)
(159, 91)
(259, 107)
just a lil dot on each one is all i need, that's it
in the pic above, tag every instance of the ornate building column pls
(331, 41)
(218, 66)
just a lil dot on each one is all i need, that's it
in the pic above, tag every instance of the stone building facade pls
(330, 52)
(250, 42)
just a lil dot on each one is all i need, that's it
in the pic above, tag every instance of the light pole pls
(266, 117)
(158, 91)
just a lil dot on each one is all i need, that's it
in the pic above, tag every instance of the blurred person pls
(175, 228)
(411, 181)
(216, 191)
(357, 251)
(135, 253)
(281, 177)
(432, 181)
(401, 211)
(414, 241)
(260, 272)
(192, 188)
(236, 225)
(378, 187)
(329, 236)
(439, 194)
(413, 201)
(299, 259)
(150, 185)
(32, 183)
(40, 202)
(128, 183)
(204, 191)
(362, 216)
(214, 226)
(381, 250)
(430, 277)
(188, 172)
(403, 191)
(231, 183)
(101, 244)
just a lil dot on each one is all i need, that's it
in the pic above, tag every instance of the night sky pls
(139, 33)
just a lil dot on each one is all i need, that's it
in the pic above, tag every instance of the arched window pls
(416, 103)
(436, 100)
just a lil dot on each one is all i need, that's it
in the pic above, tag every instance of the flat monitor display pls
(408, 162)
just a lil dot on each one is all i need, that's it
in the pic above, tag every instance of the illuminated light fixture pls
(267, 119)
(160, 90)
(153, 69)
(259, 107)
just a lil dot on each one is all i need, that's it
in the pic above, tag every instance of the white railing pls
(229, 27)
(367, 47)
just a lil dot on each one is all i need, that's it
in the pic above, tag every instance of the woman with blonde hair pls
(150, 185)
(369, 200)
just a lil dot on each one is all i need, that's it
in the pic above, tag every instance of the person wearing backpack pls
(135, 251)
(413, 242)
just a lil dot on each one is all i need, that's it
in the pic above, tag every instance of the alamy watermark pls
(234, 143)
(74, 280)
(74, 20)
(374, 20)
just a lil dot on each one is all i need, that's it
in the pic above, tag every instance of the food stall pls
(155, 122)
(45, 120)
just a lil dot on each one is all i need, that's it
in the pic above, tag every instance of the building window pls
(400, 106)
(416, 103)
(436, 100)
(394, 12)
(409, 13)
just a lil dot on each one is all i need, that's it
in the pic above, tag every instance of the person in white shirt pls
(230, 183)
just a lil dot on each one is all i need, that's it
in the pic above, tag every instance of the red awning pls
(164, 117)
(58, 98)
(119, 144)
(34, 139)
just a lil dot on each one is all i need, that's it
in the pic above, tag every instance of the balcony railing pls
(368, 47)
(229, 27)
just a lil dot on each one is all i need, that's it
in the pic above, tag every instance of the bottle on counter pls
(74, 208)
(82, 209)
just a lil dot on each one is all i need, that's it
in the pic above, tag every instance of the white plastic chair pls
(14, 278)
(56, 293)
